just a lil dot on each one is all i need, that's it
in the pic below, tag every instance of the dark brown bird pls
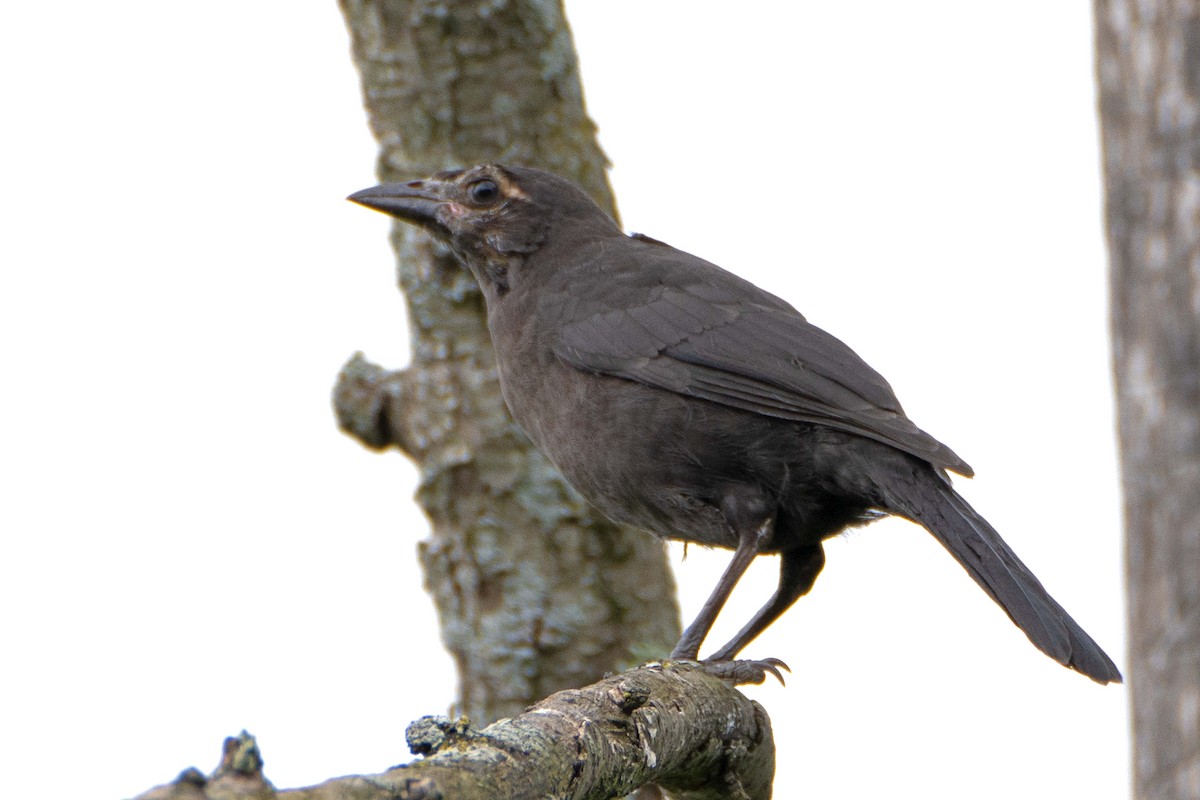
(683, 400)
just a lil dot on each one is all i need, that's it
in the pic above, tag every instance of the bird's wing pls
(706, 333)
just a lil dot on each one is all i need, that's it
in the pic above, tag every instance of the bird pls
(681, 399)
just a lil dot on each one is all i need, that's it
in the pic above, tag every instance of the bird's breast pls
(643, 456)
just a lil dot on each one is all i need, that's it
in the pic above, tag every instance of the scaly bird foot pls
(741, 672)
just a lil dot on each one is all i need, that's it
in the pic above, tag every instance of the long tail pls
(974, 543)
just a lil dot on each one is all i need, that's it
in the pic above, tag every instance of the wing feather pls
(692, 328)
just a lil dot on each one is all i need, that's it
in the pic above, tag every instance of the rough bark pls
(653, 723)
(1148, 58)
(534, 590)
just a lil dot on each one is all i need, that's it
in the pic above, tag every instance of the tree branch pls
(672, 724)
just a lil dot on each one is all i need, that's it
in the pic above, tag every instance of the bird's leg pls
(750, 540)
(798, 570)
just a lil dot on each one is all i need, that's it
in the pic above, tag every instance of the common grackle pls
(681, 399)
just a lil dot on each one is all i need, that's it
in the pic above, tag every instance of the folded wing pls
(695, 333)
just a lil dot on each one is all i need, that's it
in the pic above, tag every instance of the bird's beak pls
(414, 201)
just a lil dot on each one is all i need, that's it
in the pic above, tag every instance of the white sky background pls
(191, 548)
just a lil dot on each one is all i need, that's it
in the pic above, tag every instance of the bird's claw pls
(745, 671)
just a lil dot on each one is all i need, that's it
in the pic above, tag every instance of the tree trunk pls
(535, 591)
(1148, 58)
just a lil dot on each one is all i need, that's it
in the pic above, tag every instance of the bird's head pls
(492, 216)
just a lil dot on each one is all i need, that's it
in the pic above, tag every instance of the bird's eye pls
(483, 192)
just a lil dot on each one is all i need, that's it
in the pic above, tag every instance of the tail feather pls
(995, 567)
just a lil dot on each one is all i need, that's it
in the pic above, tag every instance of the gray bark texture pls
(1148, 60)
(535, 591)
(649, 724)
